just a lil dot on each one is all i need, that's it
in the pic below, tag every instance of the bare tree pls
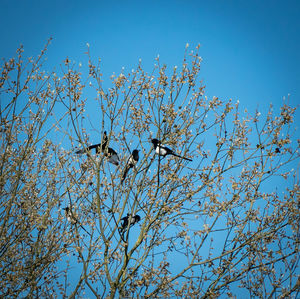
(209, 206)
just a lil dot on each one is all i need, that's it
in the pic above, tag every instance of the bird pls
(110, 153)
(133, 221)
(164, 151)
(69, 215)
(72, 218)
(112, 156)
(100, 147)
(131, 162)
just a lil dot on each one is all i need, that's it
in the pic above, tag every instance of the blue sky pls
(250, 49)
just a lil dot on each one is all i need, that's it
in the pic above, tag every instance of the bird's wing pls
(161, 150)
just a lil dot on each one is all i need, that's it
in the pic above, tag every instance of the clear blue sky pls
(250, 49)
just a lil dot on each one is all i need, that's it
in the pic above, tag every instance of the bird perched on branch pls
(73, 219)
(131, 162)
(164, 151)
(102, 147)
(133, 220)
(69, 215)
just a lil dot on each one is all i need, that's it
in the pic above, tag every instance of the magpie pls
(100, 147)
(72, 219)
(69, 215)
(132, 160)
(164, 151)
(110, 153)
(133, 221)
(112, 156)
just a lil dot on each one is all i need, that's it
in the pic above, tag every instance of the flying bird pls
(102, 147)
(132, 161)
(164, 151)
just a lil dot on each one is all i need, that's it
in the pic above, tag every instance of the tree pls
(227, 221)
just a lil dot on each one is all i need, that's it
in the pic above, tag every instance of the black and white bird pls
(99, 147)
(132, 161)
(102, 147)
(164, 151)
(112, 156)
(70, 216)
(134, 219)
(73, 219)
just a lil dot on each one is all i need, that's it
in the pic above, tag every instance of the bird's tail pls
(125, 173)
(80, 151)
(84, 229)
(188, 159)
(84, 150)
